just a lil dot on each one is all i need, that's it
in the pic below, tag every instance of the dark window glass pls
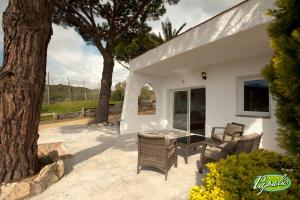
(180, 110)
(256, 96)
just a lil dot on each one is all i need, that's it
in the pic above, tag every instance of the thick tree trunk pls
(27, 28)
(101, 115)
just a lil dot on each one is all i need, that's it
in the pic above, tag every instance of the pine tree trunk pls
(27, 28)
(101, 115)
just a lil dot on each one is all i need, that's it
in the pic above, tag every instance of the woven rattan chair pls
(156, 151)
(246, 144)
(229, 133)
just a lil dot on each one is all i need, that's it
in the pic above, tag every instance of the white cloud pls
(68, 55)
(193, 12)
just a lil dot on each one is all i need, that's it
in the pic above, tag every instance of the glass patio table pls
(193, 141)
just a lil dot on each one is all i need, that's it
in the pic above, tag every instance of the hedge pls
(233, 178)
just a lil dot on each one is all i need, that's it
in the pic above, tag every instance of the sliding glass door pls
(180, 118)
(189, 110)
(197, 111)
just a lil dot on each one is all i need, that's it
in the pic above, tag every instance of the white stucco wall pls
(222, 81)
(131, 121)
(221, 99)
(221, 96)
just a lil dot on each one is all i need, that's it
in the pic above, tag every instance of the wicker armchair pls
(229, 132)
(246, 144)
(156, 151)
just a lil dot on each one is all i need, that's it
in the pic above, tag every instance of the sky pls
(69, 55)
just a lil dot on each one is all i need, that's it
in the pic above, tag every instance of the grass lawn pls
(72, 106)
(46, 118)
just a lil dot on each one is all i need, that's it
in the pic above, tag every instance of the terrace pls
(103, 164)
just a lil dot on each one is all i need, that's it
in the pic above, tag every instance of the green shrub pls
(233, 177)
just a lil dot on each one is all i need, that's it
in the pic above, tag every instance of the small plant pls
(233, 178)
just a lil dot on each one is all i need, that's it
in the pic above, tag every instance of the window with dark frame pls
(256, 96)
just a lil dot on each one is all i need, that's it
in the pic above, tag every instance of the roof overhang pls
(238, 32)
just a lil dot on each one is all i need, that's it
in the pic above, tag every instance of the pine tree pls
(27, 29)
(103, 24)
(283, 72)
(133, 45)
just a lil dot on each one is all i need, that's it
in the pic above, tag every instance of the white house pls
(230, 50)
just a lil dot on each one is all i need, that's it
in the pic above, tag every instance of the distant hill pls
(60, 93)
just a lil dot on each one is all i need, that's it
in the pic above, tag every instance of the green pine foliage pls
(283, 72)
(132, 45)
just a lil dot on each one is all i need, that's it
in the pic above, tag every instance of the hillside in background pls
(60, 93)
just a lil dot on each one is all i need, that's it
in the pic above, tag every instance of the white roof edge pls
(245, 15)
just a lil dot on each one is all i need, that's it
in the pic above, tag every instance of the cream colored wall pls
(221, 99)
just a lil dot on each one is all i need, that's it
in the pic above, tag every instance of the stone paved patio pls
(103, 166)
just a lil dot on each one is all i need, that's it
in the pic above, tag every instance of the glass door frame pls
(188, 107)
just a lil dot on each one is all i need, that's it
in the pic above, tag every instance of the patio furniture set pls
(160, 151)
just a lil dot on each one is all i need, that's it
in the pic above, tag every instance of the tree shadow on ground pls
(77, 129)
(124, 143)
(109, 139)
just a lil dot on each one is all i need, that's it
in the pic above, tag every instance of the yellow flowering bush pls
(233, 178)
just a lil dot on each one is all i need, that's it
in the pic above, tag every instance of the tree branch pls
(133, 18)
(123, 64)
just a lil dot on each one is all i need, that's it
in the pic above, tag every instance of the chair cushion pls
(219, 137)
(250, 136)
(215, 154)
(228, 146)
